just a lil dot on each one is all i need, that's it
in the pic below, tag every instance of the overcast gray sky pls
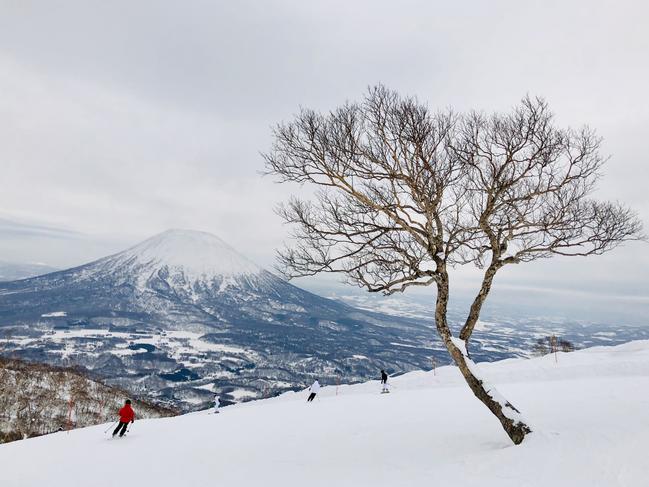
(121, 119)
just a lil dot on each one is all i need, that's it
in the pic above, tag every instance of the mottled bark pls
(476, 306)
(515, 428)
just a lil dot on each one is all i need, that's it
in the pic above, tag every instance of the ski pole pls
(111, 425)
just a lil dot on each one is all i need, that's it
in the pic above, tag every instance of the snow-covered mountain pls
(588, 410)
(183, 314)
(186, 256)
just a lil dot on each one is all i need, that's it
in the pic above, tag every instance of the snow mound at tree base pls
(588, 411)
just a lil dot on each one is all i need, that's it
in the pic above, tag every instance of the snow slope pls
(589, 412)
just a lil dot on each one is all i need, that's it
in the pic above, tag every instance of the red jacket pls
(126, 414)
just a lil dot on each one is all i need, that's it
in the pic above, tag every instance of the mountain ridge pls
(134, 314)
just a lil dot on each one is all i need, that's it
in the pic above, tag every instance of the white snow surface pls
(199, 255)
(54, 314)
(588, 411)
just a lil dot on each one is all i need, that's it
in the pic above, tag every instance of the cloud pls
(17, 230)
(122, 119)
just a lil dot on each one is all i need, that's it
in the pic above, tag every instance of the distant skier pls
(315, 388)
(384, 382)
(126, 416)
(217, 403)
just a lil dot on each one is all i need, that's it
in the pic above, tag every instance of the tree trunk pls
(476, 306)
(507, 414)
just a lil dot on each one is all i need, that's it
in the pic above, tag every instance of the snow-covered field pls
(589, 410)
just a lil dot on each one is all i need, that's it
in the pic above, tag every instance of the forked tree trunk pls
(507, 414)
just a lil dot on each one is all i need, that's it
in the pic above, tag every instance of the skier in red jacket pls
(126, 416)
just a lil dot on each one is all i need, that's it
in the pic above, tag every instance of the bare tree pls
(552, 344)
(404, 195)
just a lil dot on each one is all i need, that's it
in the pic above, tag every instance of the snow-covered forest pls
(37, 399)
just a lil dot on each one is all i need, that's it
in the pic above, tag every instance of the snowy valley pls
(182, 316)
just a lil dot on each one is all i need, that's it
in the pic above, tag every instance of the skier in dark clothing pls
(384, 382)
(126, 416)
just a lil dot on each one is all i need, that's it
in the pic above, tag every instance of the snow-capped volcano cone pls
(176, 276)
(195, 255)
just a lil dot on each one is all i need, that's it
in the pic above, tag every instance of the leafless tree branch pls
(406, 193)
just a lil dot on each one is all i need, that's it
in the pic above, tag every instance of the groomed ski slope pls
(590, 412)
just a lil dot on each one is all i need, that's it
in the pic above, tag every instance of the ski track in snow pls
(588, 411)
